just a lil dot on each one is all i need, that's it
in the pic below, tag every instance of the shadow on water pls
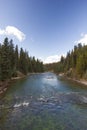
(44, 102)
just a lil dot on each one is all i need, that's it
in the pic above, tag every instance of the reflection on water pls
(44, 102)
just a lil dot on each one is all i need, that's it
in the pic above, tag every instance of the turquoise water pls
(44, 102)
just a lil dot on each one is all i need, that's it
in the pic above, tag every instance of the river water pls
(44, 102)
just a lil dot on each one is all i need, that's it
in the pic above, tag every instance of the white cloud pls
(82, 40)
(11, 30)
(82, 34)
(52, 59)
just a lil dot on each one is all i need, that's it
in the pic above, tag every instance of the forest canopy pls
(74, 64)
(13, 60)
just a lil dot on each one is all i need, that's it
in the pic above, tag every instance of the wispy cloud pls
(82, 40)
(52, 59)
(11, 30)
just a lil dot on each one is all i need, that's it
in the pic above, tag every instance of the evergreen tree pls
(0, 61)
(12, 61)
(74, 64)
(5, 61)
(23, 62)
(34, 64)
(30, 68)
(16, 58)
(12, 57)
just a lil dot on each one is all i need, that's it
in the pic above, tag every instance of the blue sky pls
(47, 29)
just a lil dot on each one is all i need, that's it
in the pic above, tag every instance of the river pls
(44, 102)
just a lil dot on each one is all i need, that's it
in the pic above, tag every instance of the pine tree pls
(34, 64)
(30, 68)
(23, 62)
(16, 58)
(0, 61)
(5, 61)
(12, 57)
(12, 61)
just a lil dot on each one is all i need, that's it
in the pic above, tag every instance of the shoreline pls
(4, 85)
(80, 81)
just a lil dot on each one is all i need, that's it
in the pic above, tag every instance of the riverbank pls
(4, 85)
(80, 81)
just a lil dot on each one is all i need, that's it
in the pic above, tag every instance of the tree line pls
(12, 60)
(74, 64)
